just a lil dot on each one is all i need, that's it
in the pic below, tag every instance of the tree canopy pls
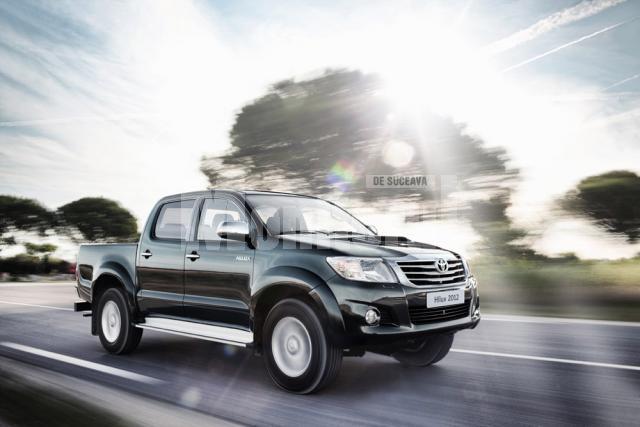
(611, 200)
(40, 248)
(99, 219)
(328, 133)
(24, 214)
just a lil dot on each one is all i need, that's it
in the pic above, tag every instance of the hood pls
(366, 246)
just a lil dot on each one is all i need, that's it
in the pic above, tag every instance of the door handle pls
(147, 254)
(193, 256)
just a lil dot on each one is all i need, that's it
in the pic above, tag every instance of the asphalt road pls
(508, 371)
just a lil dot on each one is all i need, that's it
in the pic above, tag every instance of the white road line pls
(35, 284)
(36, 305)
(555, 320)
(548, 359)
(83, 363)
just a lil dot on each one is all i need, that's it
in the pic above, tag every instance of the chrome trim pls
(442, 279)
(202, 331)
(427, 257)
(233, 230)
(429, 272)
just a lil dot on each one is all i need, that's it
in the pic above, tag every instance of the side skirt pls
(201, 331)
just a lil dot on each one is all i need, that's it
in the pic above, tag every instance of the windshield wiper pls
(347, 232)
(303, 232)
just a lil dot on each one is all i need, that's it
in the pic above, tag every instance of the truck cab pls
(297, 278)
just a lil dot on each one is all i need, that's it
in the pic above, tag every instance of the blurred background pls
(525, 114)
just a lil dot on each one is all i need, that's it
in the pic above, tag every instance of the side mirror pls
(373, 229)
(234, 230)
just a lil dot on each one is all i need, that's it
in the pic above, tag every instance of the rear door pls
(218, 271)
(161, 258)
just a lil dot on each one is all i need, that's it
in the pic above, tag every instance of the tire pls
(117, 333)
(297, 353)
(431, 350)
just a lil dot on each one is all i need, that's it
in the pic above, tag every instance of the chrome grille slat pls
(438, 280)
(429, 273)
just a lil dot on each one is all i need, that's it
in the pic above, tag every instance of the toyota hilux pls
(296, 278)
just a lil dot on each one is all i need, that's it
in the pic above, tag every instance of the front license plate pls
(445, 298)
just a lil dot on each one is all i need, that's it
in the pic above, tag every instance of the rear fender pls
(107, 274)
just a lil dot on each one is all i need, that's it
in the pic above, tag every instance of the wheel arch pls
(295, 282)
(111, 275)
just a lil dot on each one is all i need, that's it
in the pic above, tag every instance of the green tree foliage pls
(330, 132)
(24, 214)
(98, 219)
(499, 236)
(611, 200)
(31, 264)
(40, 248)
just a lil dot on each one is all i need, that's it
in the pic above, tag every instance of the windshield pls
(292, 214)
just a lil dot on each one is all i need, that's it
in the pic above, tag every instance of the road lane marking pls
(555, 320)
(83, 363)
(36, 305)
(35, 284)
(548, 359)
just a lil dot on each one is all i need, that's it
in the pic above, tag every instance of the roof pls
(238, 193)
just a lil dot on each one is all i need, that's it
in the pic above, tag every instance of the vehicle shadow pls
(197, 360)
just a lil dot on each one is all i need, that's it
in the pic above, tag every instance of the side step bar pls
(202, 331)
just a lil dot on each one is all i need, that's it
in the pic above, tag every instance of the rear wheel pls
(427, 352)
(117, 333)
(298, 355)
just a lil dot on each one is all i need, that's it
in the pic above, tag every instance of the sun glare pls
(429, 66)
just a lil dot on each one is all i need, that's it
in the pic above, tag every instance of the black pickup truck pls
(297, 278)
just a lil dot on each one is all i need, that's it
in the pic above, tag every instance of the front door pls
(218, 271)
(161, 258)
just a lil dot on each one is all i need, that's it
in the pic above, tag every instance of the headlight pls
(363, 269)
(465, 264)
(473, 282)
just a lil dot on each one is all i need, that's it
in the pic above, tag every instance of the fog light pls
(372, 316)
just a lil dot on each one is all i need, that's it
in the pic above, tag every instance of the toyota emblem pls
(442, 265)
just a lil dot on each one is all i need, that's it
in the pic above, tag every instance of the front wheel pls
(298, 355)
(430, 350)
(117, 333)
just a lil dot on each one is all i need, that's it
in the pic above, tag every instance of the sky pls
(122, 99)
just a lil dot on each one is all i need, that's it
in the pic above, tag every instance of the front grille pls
(424, 273)
(424, 315)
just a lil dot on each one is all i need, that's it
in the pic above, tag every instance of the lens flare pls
(341, 175)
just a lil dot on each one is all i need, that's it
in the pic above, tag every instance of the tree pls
(24, 214)
(42, 252)
(611, 200)
(98, 219)
(490, 220)
(328, 133)
(43, 249)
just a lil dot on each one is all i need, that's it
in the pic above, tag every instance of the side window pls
(174, 220)
(215, 212)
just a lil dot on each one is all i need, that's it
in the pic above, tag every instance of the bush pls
(22, 264)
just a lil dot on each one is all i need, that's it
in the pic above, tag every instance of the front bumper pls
(404, 315)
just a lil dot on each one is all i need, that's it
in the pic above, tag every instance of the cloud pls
(566, 16)
(111, 99)
(623, 81)
(569, 44)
